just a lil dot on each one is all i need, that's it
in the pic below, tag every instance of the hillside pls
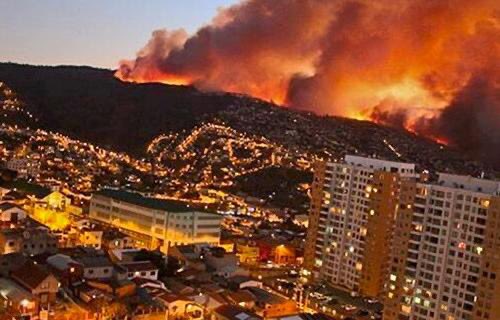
(92, 105)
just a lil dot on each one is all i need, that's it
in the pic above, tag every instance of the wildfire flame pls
(401, 63)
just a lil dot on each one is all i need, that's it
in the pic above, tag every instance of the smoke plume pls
(417, 64)
(472, 120)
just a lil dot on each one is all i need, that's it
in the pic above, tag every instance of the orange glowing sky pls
(359, 59)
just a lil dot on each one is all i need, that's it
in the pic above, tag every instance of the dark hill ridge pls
(92, 105)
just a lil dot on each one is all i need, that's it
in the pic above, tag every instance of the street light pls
(301, 289)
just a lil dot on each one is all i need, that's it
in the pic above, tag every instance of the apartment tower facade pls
(446, 252)
(352, 215)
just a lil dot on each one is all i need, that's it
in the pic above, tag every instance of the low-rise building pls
(17, 301)
(30, 241)
(221, 263)
(38, 281)
(140, 269)
(248, 253)
(241, 282)
(96, 266)
(113, 239)
(271, 305)
(90, 238)
(10, 262)
(233, 312)
(67, 270)
(24, 167)
(181, 307)
(156, 223)
(11, 214)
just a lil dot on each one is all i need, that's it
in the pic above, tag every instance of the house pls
(140, 269)
(271, 305)
(10, 262)
(27, 240)
(221, 263)
(38, 281)
(210, 301)
(301, 220)
(114, 239)
(189, 256)
(247, 253)
(277, 252)
(90, 238)
(18, 301)
(243, 298)
(123, 255)
(181, 307)
(95, 266)
(67, 270)
(11, 214)
(24, 188)
(285, 255)
(233, 312)
(178, 287)
(149, 284)
(240, 282)
(24, 167)
(117, 288)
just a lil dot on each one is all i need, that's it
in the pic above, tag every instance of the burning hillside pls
(413, 64)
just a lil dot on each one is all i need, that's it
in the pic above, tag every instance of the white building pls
(23, 167)
(90, 238)
(156, 223)
(445, 251)
(140, 269)
(11, 214)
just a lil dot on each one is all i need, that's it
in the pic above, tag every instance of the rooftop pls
(30, 275)
(469, 183)
(27, 188)
(94, 261)
(6, 206)
(236, 313)
(139, 266)
(60, 261)
(265, 296)
(379, 164)
(12, 291)
(240, 279)
(146, 202)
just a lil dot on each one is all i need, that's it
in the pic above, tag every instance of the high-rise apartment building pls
(430, 250)
(352, 215)
(445, 256)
